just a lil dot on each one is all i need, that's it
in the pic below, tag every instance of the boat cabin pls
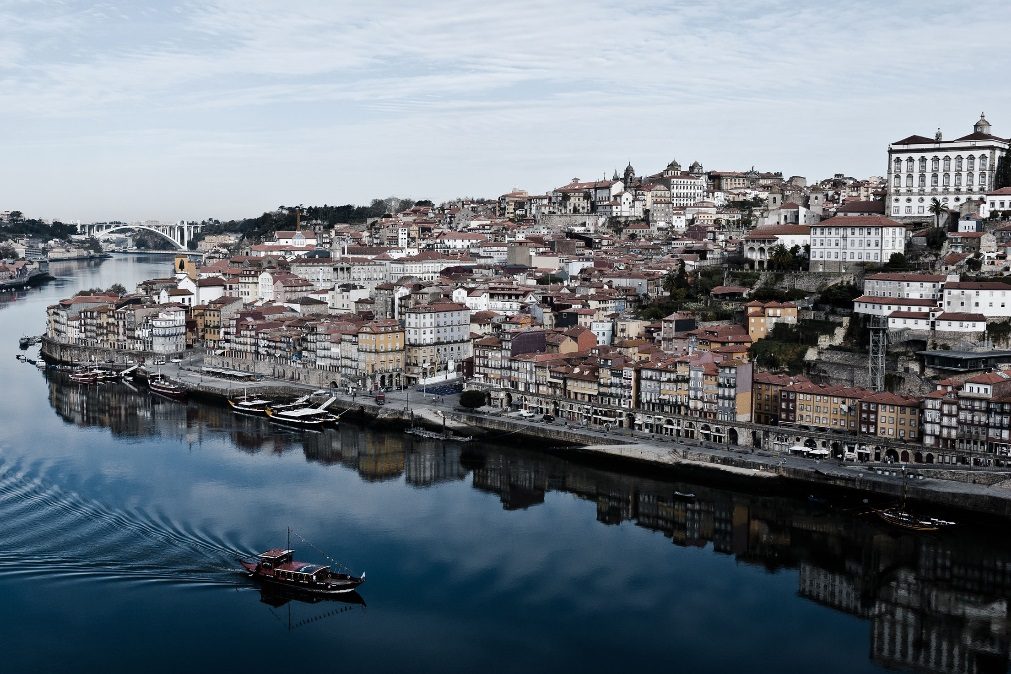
(275, 557)
(280, 564)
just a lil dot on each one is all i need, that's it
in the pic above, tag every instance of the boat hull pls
(335, 585)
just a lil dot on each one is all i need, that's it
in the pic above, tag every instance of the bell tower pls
(982, 126)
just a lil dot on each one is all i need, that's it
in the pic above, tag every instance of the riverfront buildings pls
(689, 303)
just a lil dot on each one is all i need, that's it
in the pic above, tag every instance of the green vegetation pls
(897, 262)
(19, 226)
(936, 238)
(781, 259)
(784, 348)
(999, 332)
(937, 209)
(472, 399)
(840, 295)
(114, 289)
(1002, 174)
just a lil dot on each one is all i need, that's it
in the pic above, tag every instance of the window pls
(947, 163)
(897, 181)
(909, 165)
(933, 180)
(946, 180)
(923, 180)
(958, 180)
(982, 163)
(970, 164)
(968, 179)
(933, 163)
(958, 163)
(897, 165)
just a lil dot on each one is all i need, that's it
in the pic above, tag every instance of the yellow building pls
(762, 316)
(381, 353)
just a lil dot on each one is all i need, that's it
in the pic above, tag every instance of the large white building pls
(921, 169)
(839, 243)
(990, 298)
(437, 338)
(905, 285)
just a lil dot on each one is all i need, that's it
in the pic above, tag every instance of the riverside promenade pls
(982, 491)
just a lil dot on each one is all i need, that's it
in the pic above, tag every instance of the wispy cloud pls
(536, 91)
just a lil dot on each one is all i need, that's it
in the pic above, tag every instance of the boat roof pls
(254, 401)
(303, 412)
(274, 553)
(301, 567)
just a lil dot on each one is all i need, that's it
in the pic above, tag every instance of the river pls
(121, 517)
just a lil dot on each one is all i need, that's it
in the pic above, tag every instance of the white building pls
(168, 332)
(437, 338)
(990, 298)
(841, 242)
(921, 169)
(996, 202)
(687, 188)
(759, 243)
(909, 286)
(886, 306)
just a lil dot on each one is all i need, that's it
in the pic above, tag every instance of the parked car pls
(548, 418)
(177, 360)
(526, 414)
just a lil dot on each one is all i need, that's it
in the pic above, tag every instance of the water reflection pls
(933, 603)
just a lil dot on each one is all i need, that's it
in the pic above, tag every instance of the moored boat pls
(435, 435)
(92, 375)
(903, 518)
(250, 405)
(303, 417)
(162, 385)
(277, 567)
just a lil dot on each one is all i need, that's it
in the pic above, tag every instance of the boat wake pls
(57, 533)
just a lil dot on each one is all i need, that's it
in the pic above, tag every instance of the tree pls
(8, 253)
(472, 399)
(117, 288)
(781, 259)
(897, 262)
(937, 209)
(15, 217)
(1002, 174)
(936, 237)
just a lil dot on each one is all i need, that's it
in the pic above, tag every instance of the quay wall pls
(976, 491)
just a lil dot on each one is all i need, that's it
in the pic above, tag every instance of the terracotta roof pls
(898, 301)
(874, 206)
(913, 140)
(923, 278)
(977, 285)
(858, 221)
(956, 316)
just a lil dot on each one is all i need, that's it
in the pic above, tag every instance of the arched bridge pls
(178, 233)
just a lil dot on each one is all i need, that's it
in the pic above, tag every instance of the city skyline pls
(226, 109)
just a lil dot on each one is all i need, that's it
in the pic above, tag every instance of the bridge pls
(178, 233)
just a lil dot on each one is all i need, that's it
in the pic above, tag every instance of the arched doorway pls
(891, 456)
(811, 443)
(732, 436)
(929, 458)
(904, 457)
(837, 450)
(918, 457)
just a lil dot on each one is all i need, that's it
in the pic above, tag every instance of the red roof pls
(858, 221)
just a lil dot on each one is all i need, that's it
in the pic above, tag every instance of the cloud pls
(538, 91)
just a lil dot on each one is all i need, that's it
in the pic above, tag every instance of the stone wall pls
(76, 354)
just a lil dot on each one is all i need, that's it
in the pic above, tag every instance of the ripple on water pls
(67, 538)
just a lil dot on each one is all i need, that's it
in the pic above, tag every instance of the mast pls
(289, 539)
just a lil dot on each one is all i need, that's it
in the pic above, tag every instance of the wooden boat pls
(278, 568)
(303, 417)
(290, 406)
(250, 405)
(92, 375)
(162, 385)
(900, 517)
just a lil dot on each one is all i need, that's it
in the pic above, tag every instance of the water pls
(121, 517)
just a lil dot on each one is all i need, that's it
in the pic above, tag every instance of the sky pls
(228, 108)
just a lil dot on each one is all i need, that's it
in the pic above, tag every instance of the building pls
(839, 243)
(762, 317)
(437, 340)
(921, 170)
